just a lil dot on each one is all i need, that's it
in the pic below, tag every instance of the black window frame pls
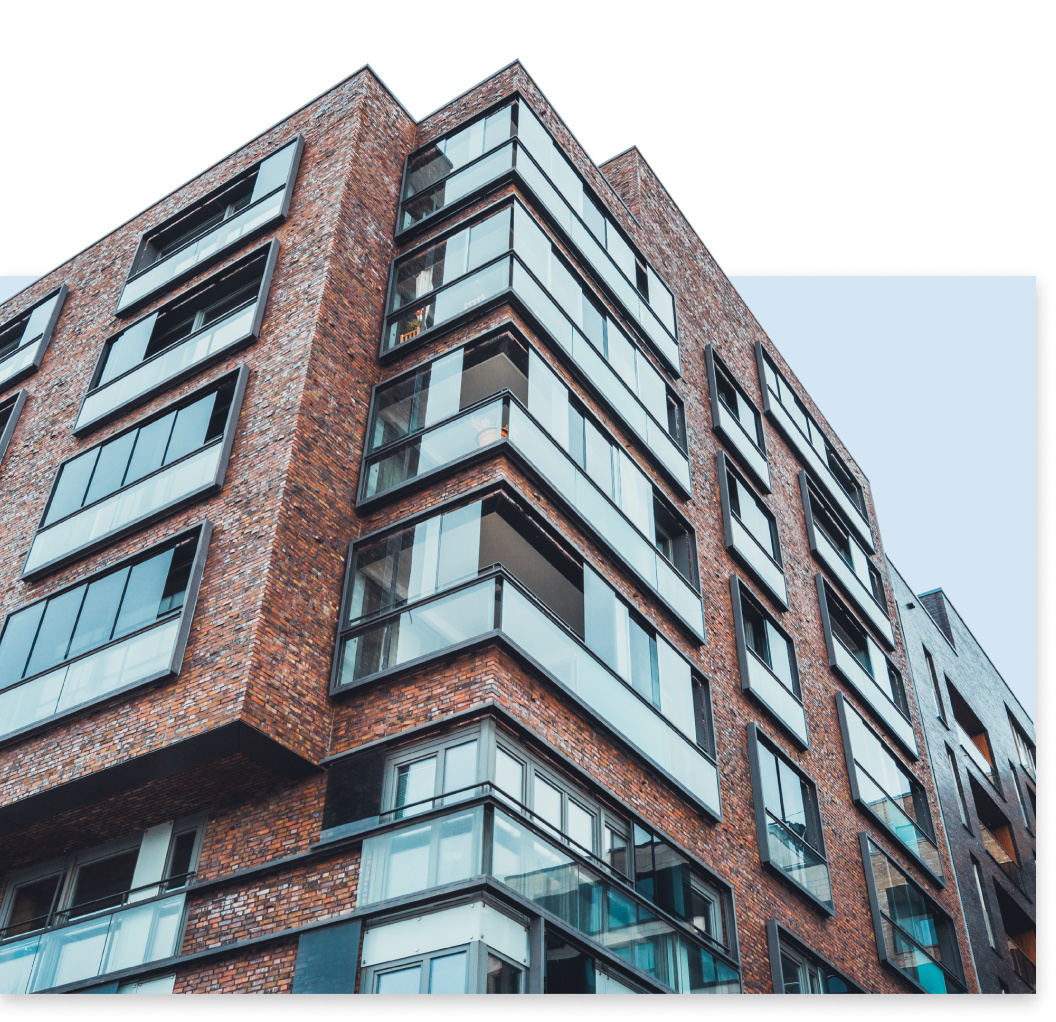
(59, 294)
(239, 378)
(780, 938)
(268, 251)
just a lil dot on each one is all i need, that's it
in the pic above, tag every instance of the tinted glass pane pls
(509, 775)
(71, 486)
(180, 864)
(56, 628)
(791, 973)
(31, 905)
(98, 612)
(415, 782)
(143, 594)
(149, 451)
(110, 468)
(17, 641)
(447, 975)
(402, 981)
(547, 802)
(191, 429)
(792, 794)
(460, 769)
(581, 825)
(103, 884)
(503, 978)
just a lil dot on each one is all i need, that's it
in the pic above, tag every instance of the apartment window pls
(123, 626)
(958, 790)
(212, 226)
(974, 739)
(996, 834)
(9, 413)
(914, 936)
(110, 907)
(767, 661)
(788, 821)
(936, 691)
(737, 403)
(435, 775)
(1020, 937)
(988, 921)
(883, 788)
(1018, 785)
(155, 466)
(1024, 746)
(796, 969)
(24, 339)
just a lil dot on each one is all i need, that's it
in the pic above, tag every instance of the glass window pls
(509, 775)
(732, 396)
(502, 977)
(752, 513)
(769, 644)
(400, 981)
(32, 906)
(414, 787)
(936, 691)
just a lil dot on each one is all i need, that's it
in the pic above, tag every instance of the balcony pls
(539, 165)
(809, 444)
(268, 204)
(77, 951)
(1005, 861)
(563, 880)
(969, 746)
(499, 607)
(1026, 970)
(793, 857)
(917, 961)
(505, 424)
(599, 349)
(22, 346)
(774, 694)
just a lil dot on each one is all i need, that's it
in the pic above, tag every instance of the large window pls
(9, 413)
(884, 788)
(96, 911)
(788, 821)
(750, 530)
(973, 736)
(500, 391)
(914, 936)
(767, 661)
(459, 274)
(214, 225)
(24, 339)
(736, 419)
(795, 969)
(996, 835)
(183, 337)
(858, 660)
(122, 627)
(138, 475)
(489, 570)
(444, 174)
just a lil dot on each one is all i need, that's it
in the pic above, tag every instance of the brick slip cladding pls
(262, 640)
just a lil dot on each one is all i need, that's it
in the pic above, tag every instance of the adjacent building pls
(422, 574)
(982, 749)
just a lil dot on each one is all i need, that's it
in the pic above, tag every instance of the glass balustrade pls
(797, 860)
(850, 578)
(917, 962)
(775, 695)
(455, 847)
(898, 822)
(134, 935)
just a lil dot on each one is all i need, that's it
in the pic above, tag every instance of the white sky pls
(799, 139)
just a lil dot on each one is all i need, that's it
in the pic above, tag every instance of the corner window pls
(914, 936)
(788, 821)
(181, 338)
(122, 627)
(767, 661)
(135, 477)
(883, 788)
(796, 969)
(9, 413)
(212, 226)
(24, 339)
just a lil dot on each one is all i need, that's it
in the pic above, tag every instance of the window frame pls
(920, 792)
(865, 840)
(270, 252)
(13, 405)
(780, 939)
(59, 296)
(724, 469)
(136, 266)
(226, 442)
(756, 738)
(714, 365)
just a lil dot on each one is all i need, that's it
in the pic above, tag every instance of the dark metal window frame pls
(714, 365)
(136, 269)
(722, 461)
(757, 737)
(511, 173)
(13, 406)
(778, 938)
(865, 840)
(737, 586)
(270, 250)
(42, 344)
(226, 442)
(204, 531)
(928, 831)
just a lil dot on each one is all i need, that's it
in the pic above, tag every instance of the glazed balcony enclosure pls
(506, 253)
(501, 395)
(24, 339)
(512, 141)
(489, 571)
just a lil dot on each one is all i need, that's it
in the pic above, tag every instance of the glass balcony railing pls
(997, 851)
(506, 422)
(498, 605)
(138, 658)
(268, 204)
(608, 360)
(154, 374)
(898, 823)
(758, 559)
(570, 885)
(547, 174)
(93, 525)
(916, 961)
(974, 754)
(81, 950)
(775, 695)
(17, 357)
(798, 861)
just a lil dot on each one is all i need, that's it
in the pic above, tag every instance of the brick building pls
(981, 745)
(422, 573)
